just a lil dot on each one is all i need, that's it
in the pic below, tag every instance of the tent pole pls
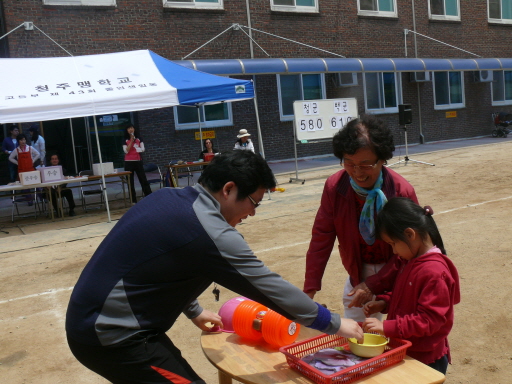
(199, 121)
(73, 143)
(260, 139)
(101, 168)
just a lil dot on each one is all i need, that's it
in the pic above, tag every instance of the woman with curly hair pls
(351, 199)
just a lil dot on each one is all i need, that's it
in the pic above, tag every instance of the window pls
(202, 4)
(215, 115)
(386, 8)
(448, 90)
(500, 11)
(298, 87)
(346, 79)
(90, 3)
(382, 91)
(444, 9)
(502, 88)
(294, 5)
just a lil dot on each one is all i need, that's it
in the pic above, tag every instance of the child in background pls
(420, 307)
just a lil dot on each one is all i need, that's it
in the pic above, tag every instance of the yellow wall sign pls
(451, 114)
(206, 135)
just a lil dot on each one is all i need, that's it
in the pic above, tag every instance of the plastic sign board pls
(108, 168)
(322, 119)
(30, 178)
(206, 135)
(53, 173)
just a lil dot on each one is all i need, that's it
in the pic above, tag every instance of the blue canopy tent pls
(39, 89)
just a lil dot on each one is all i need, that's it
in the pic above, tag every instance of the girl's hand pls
(373, 325)
(375, 306)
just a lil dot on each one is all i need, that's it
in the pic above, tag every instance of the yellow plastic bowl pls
(372, 346)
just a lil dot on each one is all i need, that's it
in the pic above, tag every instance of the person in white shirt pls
(243, 141)
(133, 146)
(24, 157)
(38, 144)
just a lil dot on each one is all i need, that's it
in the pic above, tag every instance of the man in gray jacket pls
(161, 255)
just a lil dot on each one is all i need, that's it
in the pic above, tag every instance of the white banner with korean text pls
(39, 89)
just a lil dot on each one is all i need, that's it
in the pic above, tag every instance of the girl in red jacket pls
(420, 307)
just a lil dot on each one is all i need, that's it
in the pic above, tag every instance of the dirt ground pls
(470, 190)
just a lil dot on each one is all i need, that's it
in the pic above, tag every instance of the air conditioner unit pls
(482, 76)
(346, 79)
(419, 77)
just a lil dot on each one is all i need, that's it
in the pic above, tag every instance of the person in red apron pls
(133, 146)
(24, 156)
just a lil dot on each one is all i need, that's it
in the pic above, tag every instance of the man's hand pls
(373, 325)
(311, 294)
(375, 306)
(207, 317)
(362, 295)
(350, 328)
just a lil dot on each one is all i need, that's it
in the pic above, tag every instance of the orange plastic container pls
(254, 321)
(278, 330)
(226, 312)
(243, 318)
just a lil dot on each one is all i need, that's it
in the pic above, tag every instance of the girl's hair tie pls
(427, 209)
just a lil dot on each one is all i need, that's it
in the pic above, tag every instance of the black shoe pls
(72, 212)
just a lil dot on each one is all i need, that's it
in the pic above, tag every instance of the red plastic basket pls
(393, 354)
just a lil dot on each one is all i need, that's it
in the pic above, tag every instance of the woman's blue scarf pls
(374, 197)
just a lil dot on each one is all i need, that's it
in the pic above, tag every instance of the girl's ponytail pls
(401, 213)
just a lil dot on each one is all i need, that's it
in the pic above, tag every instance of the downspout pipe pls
(422, 138)
(251, 48)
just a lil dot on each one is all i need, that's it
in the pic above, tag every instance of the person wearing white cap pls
(243, 141)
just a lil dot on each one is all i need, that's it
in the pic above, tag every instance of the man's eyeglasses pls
(360, 167)
(256, 205)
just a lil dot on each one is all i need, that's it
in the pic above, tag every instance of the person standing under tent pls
(133, 147)
(208, 148)
(24, 157)
(38, 144)
(350, 200)
(160, 257)
(243, 141)
(8, 145)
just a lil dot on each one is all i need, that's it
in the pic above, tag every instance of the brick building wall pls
(175, 33)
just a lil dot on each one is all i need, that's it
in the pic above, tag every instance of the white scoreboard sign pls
(321, 119)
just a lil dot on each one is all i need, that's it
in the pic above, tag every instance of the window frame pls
(81, 3)
(322, 85)
(501, 20)
(444, 17)
(353, 83)
(450, 105)
(294, 8)
(398, 89)
(193, 4)
(204, 124)
(505, 101)
(364, 12)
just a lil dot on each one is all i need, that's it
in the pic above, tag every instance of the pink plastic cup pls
(227, 310)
